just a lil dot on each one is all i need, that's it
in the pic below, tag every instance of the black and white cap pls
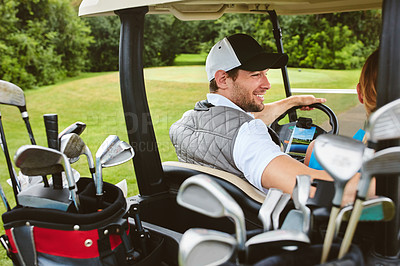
(241, 50)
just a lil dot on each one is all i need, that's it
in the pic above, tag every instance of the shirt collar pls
(219, 100)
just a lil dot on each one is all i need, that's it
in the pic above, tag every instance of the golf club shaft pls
(4, 199)
(13, 169)
(98, 182)
(9, 164)
(330, 231)
(51, 125)
(25, 117)
(351, 228)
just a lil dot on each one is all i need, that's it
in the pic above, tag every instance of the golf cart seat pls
(247, 196)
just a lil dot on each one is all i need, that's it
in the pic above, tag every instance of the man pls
(228, 131)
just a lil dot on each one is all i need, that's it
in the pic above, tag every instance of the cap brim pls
(264, 61)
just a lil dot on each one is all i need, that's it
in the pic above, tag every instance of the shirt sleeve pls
(254, 150)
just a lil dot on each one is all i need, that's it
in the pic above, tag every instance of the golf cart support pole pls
(147, 162)
(388, 87)
(279, 44)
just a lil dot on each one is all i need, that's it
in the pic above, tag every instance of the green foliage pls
(161, 46)
(103, 55)
(41, 41)
(333, 41)
(257, 26)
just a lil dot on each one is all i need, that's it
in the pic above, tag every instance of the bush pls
(41, 41)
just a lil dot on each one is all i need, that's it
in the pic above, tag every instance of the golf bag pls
(36, 236)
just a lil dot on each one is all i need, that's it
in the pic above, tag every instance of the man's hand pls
(307, 100)
(273, 110)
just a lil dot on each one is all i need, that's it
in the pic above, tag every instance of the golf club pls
(37, 160)
(384, 123)
(341, 157)
(202, 194)
(73, 146)
(268, 206)
(11, 171)
(300, 195)
(385, 161)
(280, 238)
(11, 94)
(205, 247)
(4, 199)
(278, 209)
(380, 209)
(276, 238)
(19, 186)
(77, 128)
(299, 219)
(111, 152)
(51, 125)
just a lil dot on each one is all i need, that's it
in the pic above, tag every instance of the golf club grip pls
(330, 232)
(351, 228)
(51, 125)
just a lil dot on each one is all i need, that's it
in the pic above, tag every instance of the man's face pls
(248, 90)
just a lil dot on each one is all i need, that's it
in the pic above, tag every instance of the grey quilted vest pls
(206, 136)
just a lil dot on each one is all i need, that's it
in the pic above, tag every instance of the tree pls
(41, 41)
(103, 55)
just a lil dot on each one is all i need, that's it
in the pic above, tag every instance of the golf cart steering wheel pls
(284, 131)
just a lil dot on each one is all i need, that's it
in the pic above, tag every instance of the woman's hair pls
(368, 80)
(233, 73)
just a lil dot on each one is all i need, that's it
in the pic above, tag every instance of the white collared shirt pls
(253, 149)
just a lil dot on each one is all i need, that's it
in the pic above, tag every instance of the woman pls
(366, 90)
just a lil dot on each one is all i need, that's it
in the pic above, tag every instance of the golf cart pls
(159, 182)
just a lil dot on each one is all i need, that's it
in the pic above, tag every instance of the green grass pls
(190, 59)
(95, 99)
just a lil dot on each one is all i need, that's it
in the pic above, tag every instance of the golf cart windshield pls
(147, 162)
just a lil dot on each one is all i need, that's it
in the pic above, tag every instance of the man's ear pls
(360, 93)
(220, 78)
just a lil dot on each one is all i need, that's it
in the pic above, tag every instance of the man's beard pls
(242, 99)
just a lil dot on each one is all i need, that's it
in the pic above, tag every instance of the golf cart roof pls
(210, 9)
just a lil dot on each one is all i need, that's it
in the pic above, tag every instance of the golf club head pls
(72, 145)
(38, 160)
(301, 193)
(341, 157)
(294, 221)
(205, 247)
(379, 209)
(268, 206)
(277, 238)
(202, 194)
(278, 209)
(77, 127)
(386, 161)
(111, 152)
(384, 123)
(11, 94)
(114, 151)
